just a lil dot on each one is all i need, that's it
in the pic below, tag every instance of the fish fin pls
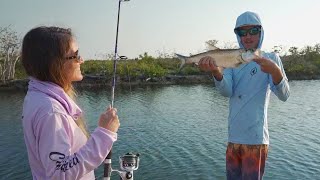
(211, 47)
(183, 60)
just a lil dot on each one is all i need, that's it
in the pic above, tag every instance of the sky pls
(164, 26)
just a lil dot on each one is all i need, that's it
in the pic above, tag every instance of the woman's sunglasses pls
(252, 31)
(76, 56)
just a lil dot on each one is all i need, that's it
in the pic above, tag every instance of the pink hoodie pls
(57, 148)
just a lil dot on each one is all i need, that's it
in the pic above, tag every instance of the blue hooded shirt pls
(249, 91)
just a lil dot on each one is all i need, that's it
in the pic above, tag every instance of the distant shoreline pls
(100, 81)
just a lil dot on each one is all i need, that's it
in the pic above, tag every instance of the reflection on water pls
(181, 131)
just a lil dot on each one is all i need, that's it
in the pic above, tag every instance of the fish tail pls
(183, 60)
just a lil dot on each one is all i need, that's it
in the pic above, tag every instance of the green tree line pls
(304, 63)
(143, 67)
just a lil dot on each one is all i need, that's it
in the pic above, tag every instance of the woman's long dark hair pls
(43, 54)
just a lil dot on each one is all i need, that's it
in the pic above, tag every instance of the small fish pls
(227, 58)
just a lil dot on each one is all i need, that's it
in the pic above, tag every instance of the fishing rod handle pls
(107, 167)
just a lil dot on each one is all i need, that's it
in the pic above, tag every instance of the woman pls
(58, 144)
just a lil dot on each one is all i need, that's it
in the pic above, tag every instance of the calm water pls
(181, 132)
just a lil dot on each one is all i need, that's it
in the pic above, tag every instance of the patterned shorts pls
(245, 162)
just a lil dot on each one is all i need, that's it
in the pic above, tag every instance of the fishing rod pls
(129, 162)
(115, 57)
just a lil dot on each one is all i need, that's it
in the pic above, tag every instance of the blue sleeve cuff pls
(281, 84)
(218, 84)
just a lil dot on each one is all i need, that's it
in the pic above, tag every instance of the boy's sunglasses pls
(252, 31)
(76, 56)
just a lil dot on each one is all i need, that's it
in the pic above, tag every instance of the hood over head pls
(249, 18)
